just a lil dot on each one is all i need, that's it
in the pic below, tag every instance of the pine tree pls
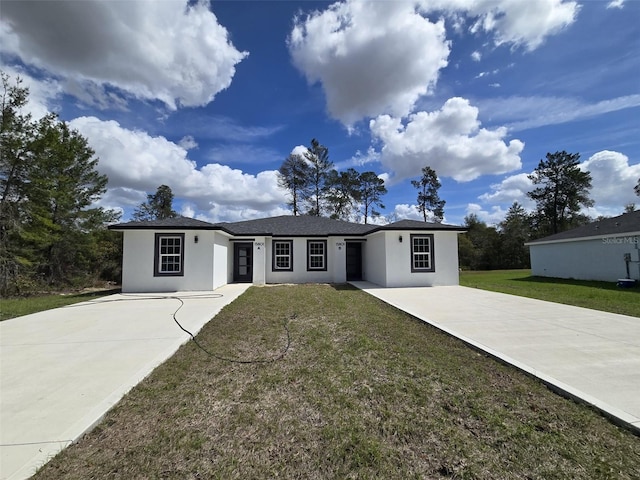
(428, 198)
(158, 206)
(563, 188)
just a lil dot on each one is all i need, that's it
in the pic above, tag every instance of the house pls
(182, 254)
(607, 250)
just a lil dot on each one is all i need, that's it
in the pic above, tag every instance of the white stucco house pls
(608, 250)
(184, 254)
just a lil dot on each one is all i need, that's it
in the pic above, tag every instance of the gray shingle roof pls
(418, 225)
(177, 223)
(283, 226)
(295, 226)
(627, 223)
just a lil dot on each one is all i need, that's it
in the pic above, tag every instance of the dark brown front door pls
(243, 262)
(354, 261)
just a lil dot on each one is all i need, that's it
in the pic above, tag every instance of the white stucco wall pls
(220, 260)
(374, 264)
(300, 273)
(138, 262)
(590, 259)
(388, 261)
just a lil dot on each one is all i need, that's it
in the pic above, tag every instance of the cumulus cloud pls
(512, 189)
(131, 46)
(612, 179)
(616, 4)
(374, 58)
(370, 57)
(449, 140)
(136, 162)
(493, 216)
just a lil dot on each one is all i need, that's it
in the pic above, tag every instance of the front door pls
(354, 261)
(243, 262)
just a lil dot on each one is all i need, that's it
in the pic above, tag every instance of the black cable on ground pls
(133, 297)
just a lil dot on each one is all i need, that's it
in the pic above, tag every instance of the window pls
(169, 255)
(422, 253)
(316, 254)
(282, 255)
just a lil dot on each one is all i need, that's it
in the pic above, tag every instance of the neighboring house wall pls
(587, 259)
(139, 262)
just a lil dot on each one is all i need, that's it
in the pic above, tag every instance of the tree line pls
(51, 234)
(561, 189)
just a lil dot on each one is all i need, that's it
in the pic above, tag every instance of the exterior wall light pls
(195, 239)
(400, 238)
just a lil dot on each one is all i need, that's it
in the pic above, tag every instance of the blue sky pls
(210, 98)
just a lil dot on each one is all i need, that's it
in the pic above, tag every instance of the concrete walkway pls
(61, 370)
(592, 355)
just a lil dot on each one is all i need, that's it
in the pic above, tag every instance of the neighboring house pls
(607, 250)
(181, 254)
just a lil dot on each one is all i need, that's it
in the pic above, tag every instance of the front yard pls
(362, 391)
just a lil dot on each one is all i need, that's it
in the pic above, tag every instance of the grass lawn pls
(16, 307)
(605, 296)
(363, 392)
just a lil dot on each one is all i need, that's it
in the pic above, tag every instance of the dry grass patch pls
(364, 391)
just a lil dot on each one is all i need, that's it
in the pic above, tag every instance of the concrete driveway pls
(61, 370)
(592, 355)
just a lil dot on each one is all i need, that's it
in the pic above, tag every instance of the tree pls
(515, 231)
(16, 134)
(317, 157)
(157, 207)
(479, 248)
(428, 198)
(342, 193)
(63, 185)
(637, 188)
(563, 189)
(294, 176)
(371, 190)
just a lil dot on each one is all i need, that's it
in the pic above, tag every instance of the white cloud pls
(616, 4)
(370, 57)
(519, 23)
(134, 161)
(491, 217)
(188, 142)
(512, 189)
(612, 179)
(476, 56)
(449, 140)
(131, 46)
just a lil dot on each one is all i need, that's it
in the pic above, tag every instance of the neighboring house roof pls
(626, 224)
(284, 226)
